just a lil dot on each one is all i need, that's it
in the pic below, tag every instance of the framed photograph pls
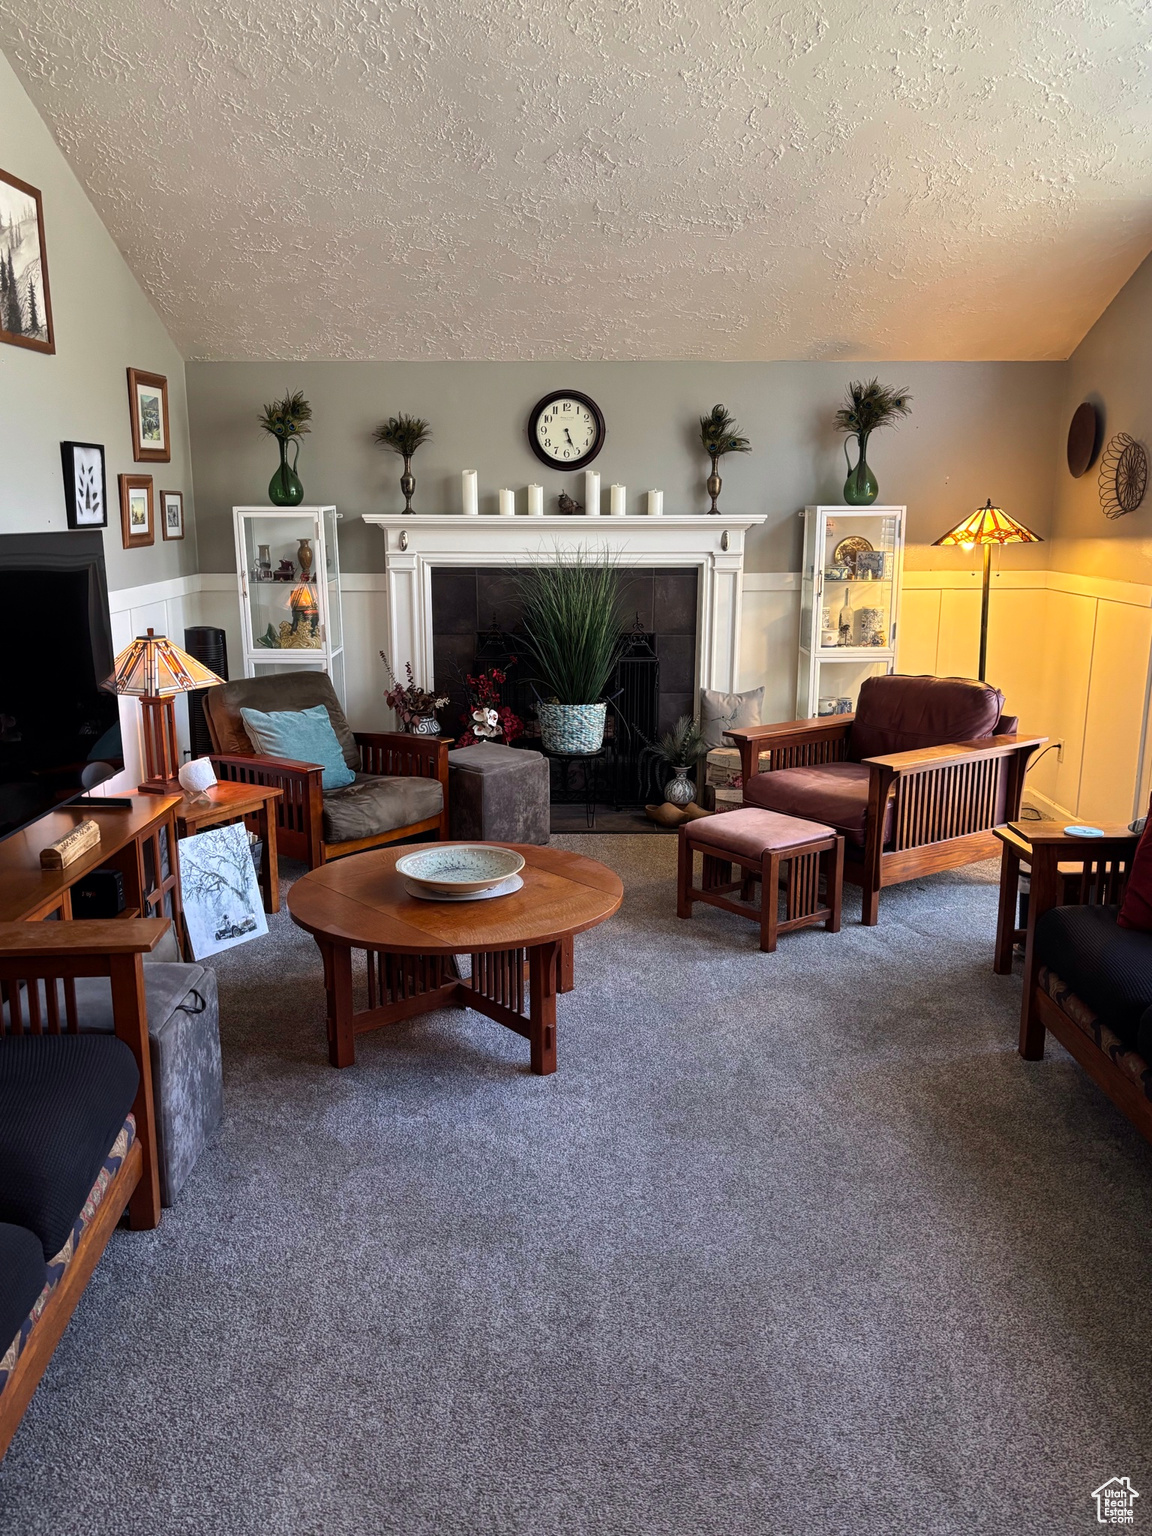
(222, 904)
(137, 524)
(25, 303)
(148, 403)
(85, 485)
(172, 514)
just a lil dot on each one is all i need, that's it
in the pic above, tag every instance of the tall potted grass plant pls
(571, 636)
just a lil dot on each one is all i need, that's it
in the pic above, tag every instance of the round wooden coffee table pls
(521, 945)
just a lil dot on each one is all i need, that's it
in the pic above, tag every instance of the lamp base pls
(160, 786)
(161, 763)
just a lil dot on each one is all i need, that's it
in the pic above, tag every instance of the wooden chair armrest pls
(274, 767)
(401, 754)
(831, 732)
(954, 752)
(84, 938)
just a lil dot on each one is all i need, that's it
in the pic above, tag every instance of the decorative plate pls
(846, 551)
(1083, 431)
(505, 888)
(460, 869)
(1123, 475)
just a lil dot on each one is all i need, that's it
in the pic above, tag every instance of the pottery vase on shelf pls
(408, 485)
(680, 790)
(284, 488)
(713, 485)
(860, 488)
(305, 555)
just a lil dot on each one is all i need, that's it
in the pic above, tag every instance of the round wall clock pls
(566, 429)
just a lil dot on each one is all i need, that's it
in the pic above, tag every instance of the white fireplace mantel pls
(416, 543)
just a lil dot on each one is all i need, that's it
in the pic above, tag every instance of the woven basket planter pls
(572, 727)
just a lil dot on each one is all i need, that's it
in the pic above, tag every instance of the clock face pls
(566, 430)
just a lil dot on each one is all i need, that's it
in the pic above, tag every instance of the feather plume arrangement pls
(681, 747)
(867, 407)
(403, 434)
(720, 434)
(287, 418)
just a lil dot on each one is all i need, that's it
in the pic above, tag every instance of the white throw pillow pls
(720, 712)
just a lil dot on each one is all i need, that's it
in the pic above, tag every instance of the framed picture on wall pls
(148, 405)
(172, 514)
(137, 524)
(85, 485)
(25, 303)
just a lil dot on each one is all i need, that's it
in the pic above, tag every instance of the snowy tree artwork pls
(85, 492)
(25, 306)
(222, 906)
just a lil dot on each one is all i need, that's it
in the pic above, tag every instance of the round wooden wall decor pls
(1082, 434)
(1123, 475)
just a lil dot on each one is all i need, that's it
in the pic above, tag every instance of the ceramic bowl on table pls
(460, 869)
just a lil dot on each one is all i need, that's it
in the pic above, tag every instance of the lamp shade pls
(989, 525)
(303, 599)
(153, 668)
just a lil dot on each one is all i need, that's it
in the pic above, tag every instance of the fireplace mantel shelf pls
(417, 542)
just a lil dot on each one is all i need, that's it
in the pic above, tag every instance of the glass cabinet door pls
(334, 617)
(858, 558)
(281, 580)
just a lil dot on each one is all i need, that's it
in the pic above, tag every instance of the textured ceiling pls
(637, 179)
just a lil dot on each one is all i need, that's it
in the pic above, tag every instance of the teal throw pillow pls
(303, 734)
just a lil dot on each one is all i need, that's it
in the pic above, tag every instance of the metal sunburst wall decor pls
(1123, 475)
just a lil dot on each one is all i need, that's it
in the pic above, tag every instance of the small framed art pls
(172, 514)
(148, 404)
(85, 485)
(137, 524)
(25, 304)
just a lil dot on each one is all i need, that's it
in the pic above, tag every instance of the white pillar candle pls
(507, 504)
(616, 500)
(591, 493)
(655, 503)
(469, 493)
(535, 501)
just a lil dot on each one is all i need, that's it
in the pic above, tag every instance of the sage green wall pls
(1112, 367)
(103, 325)
(976, 430)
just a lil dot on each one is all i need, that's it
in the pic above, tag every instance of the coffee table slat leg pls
(338, 985)
(543, 969)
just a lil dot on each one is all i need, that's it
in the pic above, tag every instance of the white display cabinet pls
(849, 603)
(288, 571)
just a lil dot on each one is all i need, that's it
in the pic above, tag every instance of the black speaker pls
(209, 646)
(99, 893)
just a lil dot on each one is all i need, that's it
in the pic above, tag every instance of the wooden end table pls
(1069, 861)
(411, 945)
(227, 802)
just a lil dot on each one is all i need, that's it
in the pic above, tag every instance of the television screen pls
(59, 732)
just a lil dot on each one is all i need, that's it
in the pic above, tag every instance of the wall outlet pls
(1059, 751)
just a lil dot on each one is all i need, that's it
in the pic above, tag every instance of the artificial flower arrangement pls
(410, 701)
(487, 719)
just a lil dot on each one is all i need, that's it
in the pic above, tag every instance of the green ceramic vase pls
(860, 488)
(284, 488)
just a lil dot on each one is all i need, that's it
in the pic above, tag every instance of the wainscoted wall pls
(1072, 653)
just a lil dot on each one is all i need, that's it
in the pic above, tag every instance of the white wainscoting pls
(1072, 654)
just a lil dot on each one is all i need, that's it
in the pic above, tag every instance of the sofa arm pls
(791, 743)
(397, 754)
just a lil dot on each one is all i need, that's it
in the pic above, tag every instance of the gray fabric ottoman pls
(498, 795)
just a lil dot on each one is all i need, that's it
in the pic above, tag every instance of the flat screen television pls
(59, 733)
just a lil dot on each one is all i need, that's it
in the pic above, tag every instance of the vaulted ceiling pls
(608, 178)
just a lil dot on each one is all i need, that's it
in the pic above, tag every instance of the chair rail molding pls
(416, 544)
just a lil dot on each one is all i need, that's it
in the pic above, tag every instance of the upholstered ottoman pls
(498, 795)
(762, 843)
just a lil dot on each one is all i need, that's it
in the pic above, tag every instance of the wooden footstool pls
(760, 842)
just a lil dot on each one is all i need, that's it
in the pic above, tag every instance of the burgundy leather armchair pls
(915, 780)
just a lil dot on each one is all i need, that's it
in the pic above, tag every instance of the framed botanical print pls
(172, 514)
(25, 303)
(148, 404)
(137, 525)
(85, 485)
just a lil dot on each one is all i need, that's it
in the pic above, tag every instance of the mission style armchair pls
(915, 780)
(401, 786)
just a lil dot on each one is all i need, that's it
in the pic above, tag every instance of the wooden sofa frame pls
(300, 809)
(1105, 874)
(946, 798)
(50, 952)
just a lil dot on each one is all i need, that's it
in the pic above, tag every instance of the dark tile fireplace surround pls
(469, 603)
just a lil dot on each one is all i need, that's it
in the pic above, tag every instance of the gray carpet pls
(790, 1244)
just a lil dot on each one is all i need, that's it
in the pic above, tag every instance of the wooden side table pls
(1077, 858)
(226, 802)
